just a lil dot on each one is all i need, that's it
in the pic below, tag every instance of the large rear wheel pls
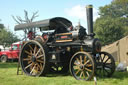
(82, 66)
(33, 58)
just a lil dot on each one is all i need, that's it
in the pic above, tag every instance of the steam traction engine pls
(65, 48)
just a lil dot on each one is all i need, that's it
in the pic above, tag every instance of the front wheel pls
(82, 66)
(3, 58)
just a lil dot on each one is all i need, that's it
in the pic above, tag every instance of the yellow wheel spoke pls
(80, 59)
(29, 56)
(84, 75)
(86, 62)
(32, 65)
(29, 62)
(31, 51)
(76, 64)
(76, 67)
(88, 69)
(32, 69)
(88, 65)
(28, 52)
(35, 49)
(84, 59)
(40, 56)
(39, 66)
(40, 61)
(38, 52)
(81, 74)
(87, 74)
(26, 59)
(36, 68)
(78, 71)
(31, 47)
(28, 66)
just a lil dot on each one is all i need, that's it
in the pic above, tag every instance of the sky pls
(73, 10)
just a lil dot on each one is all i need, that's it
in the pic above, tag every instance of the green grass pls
(8, 77)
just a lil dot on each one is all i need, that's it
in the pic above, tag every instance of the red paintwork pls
(13, 52)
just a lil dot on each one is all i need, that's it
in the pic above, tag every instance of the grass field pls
(8, 77)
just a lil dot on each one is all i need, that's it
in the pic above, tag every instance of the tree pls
(113, 22)
(7, 38)
(117, 8)
(26, 19)
(1, 25)
(108, 30)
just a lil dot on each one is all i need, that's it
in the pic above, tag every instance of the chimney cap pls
(89, 6)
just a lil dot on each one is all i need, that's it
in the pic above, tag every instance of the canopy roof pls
(48, 24)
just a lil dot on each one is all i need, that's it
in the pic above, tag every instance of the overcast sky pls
(74, 10)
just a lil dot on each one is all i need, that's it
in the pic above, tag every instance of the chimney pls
(89, 11)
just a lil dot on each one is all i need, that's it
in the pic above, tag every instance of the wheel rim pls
(32, 59)
(3, 59)
(105, 65)
(82, 66)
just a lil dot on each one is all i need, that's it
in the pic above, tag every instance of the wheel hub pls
(33, 59)
(82, 67)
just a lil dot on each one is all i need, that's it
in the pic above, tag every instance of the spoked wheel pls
(33, 59)
(82, 66)
(105, 65)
